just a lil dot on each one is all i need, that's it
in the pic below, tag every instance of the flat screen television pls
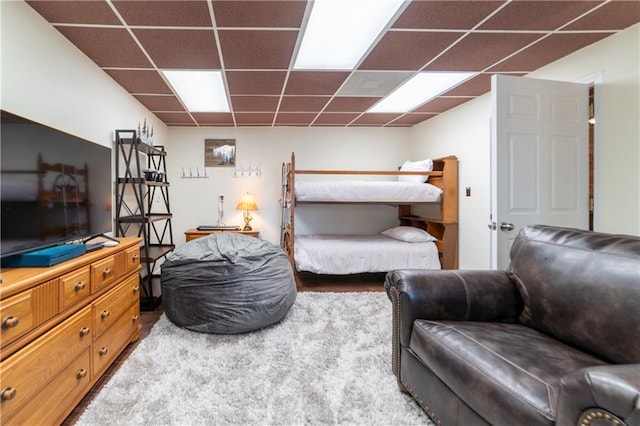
(54, 187)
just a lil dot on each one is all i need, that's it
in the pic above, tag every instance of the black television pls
(54, 187)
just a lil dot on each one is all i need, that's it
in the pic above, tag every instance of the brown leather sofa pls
(555, 339)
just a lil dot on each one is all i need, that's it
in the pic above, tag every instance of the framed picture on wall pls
(219, 152)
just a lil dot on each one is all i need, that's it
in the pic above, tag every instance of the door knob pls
(506, 226)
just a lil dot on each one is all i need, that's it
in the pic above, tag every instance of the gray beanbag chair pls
(227, 283)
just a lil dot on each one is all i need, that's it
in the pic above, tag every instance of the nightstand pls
(192, 234)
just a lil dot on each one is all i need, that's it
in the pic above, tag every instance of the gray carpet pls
(328, 362)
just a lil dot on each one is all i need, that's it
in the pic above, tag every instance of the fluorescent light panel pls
(339, 32)
(419, 89)
(201, 91)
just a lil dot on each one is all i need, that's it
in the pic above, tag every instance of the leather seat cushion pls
(490, 365)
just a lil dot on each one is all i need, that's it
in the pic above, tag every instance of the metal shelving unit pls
(143, 208)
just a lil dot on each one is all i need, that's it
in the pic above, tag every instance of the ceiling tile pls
(537, 14)
(407, 50)
(440, 105)
(454, 15)
(107, 47)
(76, 12)
(351, 104)
(373, 83)
(175, 118)
(213, 118)
(478, 51)
(140, 81)
(295, 118)
(176, 13)
(335, 119)
(378, 119)
(303, 103)
(476, 86)
(255, 103)
(314, 82)
(264, 14)
(548, 50)
(160, 102)
(257, 49)
(255, 82)
(411, 119)
(166, 47)
(615, 15)
(254, 118)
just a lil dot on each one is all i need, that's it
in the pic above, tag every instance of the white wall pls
(465, 132)
(194, 201)
(47, 79)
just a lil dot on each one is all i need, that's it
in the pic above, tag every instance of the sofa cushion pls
(581, 287)
(491, 366)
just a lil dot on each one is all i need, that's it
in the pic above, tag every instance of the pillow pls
(416, 166)
(408, 234)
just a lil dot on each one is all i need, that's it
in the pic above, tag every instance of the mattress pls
(353, 254)
(366, 191)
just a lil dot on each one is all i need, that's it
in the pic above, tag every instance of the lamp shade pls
(247, 202)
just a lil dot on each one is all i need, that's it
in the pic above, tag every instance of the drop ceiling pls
(254, 43)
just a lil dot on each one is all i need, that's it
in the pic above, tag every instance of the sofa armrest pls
(600, 395)
(448, 295)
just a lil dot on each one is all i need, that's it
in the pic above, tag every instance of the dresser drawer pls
(16, 315)
(108, 308)
(132, 258)
(75, 287)
(54, 402)
(27, 371)
(103, 273)
(108, 346)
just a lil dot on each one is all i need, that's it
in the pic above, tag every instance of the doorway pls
(592, 124)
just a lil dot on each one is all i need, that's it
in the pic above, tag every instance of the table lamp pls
(247, 203)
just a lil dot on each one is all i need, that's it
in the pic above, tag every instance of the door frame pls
(596, 80)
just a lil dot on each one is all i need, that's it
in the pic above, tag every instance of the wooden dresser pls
(61, 328)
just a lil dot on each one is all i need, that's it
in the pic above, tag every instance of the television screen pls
(55, 187)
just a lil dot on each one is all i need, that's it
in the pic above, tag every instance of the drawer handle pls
(8, 394)
(106, 272)
(84, 331)
(80, 286)
(136, 288)
(81, 374)
(135, 318)
(104, 315)
(135, 257)
(10, 322)
(103, 351)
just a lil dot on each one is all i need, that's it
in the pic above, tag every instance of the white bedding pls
(353, 254)
(363, 191)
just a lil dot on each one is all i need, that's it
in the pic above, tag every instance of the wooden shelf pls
(142, 181)
(156, 251)
(147, 218)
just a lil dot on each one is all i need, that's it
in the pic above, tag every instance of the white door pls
(539, 158)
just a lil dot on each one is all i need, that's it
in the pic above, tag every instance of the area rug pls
(327, 363)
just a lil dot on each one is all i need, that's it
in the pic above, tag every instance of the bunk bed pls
(54, 196)
(441, 190)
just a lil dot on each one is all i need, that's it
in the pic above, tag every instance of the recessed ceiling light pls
(339, 32)
(418, 90)
(201, 91)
